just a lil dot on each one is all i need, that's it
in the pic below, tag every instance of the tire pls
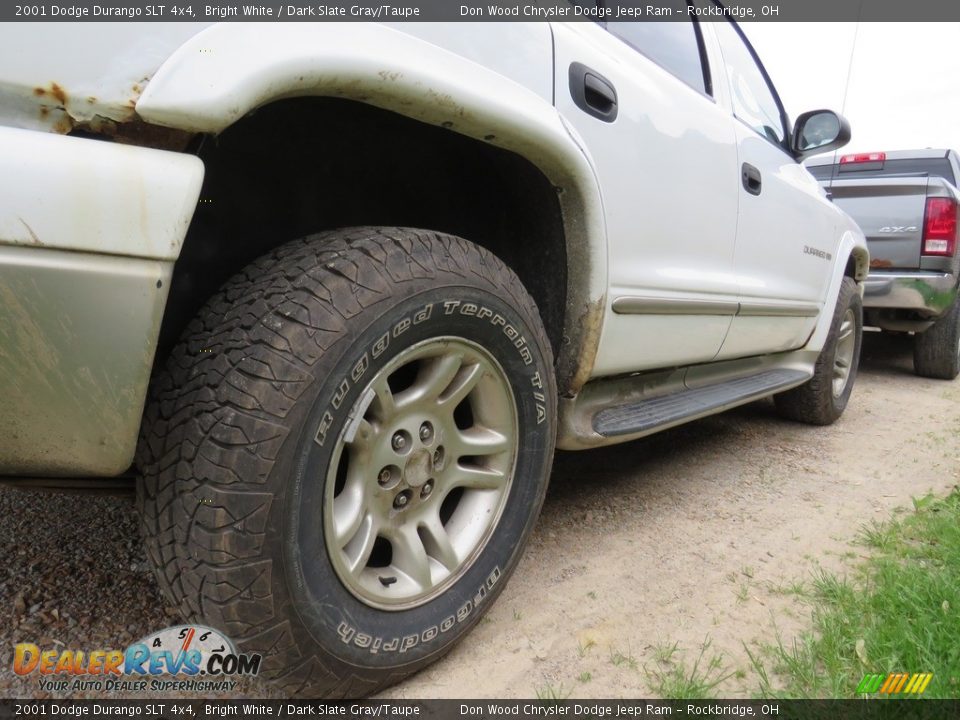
(823, 398)
(936, 351)
(275, 427)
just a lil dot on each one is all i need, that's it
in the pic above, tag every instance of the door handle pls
(752, 181)
(593, 93)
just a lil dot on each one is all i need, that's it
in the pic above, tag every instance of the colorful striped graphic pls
(894, 683)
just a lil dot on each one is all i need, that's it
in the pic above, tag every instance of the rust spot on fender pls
(58, 93)
(879, 263)
(136, 132)
(57, 101)
(54, 91)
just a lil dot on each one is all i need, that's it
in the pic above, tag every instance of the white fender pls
(228, 70)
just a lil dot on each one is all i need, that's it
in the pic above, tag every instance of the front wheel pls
(823, 398)
(347, 453)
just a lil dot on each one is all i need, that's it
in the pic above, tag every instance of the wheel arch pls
(852, 260)
(214, 81)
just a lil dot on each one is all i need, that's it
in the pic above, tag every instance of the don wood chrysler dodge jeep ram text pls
(334, 293)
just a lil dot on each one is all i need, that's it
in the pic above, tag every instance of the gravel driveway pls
(689, 535)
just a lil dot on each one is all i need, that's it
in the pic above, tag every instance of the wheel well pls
(857, 266)
(300, 166)
(851, 270)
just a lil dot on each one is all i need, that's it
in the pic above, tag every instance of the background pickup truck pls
(906, 204)
(373, 274)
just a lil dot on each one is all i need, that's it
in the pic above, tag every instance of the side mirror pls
(819, 131)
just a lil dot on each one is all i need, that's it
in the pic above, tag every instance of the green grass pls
(549, 692)
(671, 678)
(898, 612)
(619, 658)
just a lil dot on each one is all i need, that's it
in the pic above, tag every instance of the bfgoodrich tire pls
(823, 398)
(936, 352)
(347, 452)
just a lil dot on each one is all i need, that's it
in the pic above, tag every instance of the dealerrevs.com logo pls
(182, 658)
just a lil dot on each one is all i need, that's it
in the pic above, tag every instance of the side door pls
(638, 97)
(786, 234)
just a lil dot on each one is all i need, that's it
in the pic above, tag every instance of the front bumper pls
(929, 293)
(89, 231)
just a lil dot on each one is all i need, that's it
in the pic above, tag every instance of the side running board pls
(687, 404)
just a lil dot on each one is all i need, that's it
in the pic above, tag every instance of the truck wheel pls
(936, 351)
(347, 452)
(823, 398)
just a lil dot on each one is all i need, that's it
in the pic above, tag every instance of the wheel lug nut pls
(426, 489)
(401, 500)
(438, 459)
(389, 477)
(398, 442)
(426, 432)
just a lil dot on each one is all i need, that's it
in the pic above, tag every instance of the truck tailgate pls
(890, 213)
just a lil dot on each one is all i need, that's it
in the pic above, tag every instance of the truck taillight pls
(940, 227)
(863, 158)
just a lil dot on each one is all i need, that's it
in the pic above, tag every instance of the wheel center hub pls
(419, 468)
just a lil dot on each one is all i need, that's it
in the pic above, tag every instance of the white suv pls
(373, 274)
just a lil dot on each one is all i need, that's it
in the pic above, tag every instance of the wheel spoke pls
(846, 330)
(358, 550)
(439, 544)
(349, 506)
(360, 437)
(461, 386)
(348, 514)
(384, 403)
(432, 380)
(477, 441)
(472, 477)
(410, 556)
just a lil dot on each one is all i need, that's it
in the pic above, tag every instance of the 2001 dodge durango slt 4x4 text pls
(334, 293)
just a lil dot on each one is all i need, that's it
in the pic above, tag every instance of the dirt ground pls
(689, 536)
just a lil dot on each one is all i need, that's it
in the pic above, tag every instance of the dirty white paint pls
(53, 75)
(92, 196)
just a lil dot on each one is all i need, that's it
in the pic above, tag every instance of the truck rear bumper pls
(928, 293)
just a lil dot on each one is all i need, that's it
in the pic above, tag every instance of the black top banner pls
(482, 11)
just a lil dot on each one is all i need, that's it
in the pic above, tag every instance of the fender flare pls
(230, 69)
(852, 245)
